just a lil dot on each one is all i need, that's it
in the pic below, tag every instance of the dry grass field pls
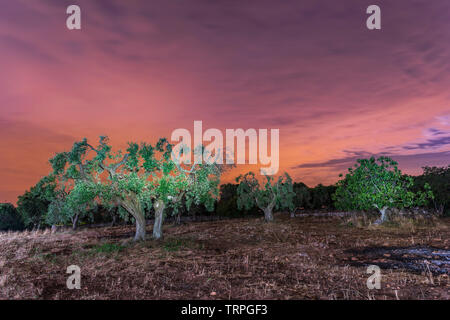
(299, 258)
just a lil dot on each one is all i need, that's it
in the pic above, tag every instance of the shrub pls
(107, 248)
(378, 184)
(227, 205)
(10, 219)
(321, 197)
(34, 203)
(302, 198)
(272, 194)
(438, 178)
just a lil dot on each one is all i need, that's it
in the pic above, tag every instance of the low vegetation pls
(245, 258)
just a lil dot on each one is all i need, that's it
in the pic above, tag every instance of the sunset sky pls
(137, 70)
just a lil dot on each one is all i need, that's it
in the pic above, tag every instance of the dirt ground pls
(292, 258)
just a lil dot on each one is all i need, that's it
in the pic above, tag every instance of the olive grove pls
(143, 178)
(272, 194)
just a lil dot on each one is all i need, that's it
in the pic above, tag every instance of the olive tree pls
(199, 183)
(75, 191)
(33, 205)
(438, 179)
(72, 206)
(302, 198)
(322, 196)
(272, 194)
(377, 183)
(142, 178)
(89, 174)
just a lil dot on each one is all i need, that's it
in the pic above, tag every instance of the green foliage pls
(272, 194)
(133, 181)
(227, 205)
(10, 219)
(33, 204)
(302, 198)
(322, 197)
(73, 206)
(438, 178)
(319, 197)
(75, 190)
(173, 245)
(203, 186)
(377, 184)
(107, 248)
(88, 176)
(198, 184)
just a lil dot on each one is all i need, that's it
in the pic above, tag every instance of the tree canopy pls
(272, 194)
(10, 219)
(378, 183)
(33, 205)
(142, 178)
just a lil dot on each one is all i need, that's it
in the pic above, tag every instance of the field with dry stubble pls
(299, 258)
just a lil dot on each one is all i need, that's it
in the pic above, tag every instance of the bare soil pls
(291, 258)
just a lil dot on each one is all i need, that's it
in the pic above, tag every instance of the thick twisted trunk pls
(383, 214)
(177, 221)
(383, 217)
(159, 217)
(268, 216)
(134, 208)
(140, 227)
(75, 221)
(114, 219)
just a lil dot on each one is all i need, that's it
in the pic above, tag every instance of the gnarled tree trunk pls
(177, 221)
(268, 216)
(140, 227)
(383, 217)
(75, 221)
(135, 209)
(159, 217)
(383, 214)
(114, 219)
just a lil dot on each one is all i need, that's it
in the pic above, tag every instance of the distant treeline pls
(33, 206)
(306, 199)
